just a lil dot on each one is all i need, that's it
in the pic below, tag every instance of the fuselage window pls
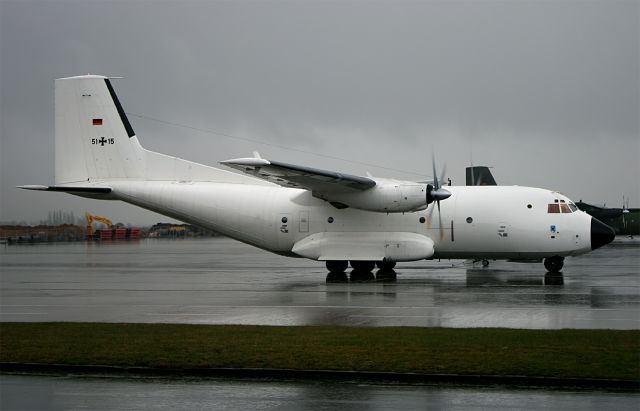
(554, 208)
(565, 208)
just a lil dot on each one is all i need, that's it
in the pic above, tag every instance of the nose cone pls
(601, 234)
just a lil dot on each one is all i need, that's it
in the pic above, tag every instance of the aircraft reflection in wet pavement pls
(298, 211)
(475, 277)
(435, 301)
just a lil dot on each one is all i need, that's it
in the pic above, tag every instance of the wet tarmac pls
(19, 392)
(220, 281)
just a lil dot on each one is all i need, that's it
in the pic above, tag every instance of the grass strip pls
(598, 354)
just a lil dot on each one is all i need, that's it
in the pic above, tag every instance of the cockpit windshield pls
(561, 206)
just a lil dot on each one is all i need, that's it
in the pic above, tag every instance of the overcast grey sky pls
(547, 92)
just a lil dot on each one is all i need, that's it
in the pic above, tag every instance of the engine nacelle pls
(387, 196)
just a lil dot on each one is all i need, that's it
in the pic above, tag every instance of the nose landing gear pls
(554, 264)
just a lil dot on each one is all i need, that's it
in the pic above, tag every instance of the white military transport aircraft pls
(298, 211)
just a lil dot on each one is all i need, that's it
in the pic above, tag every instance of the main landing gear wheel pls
(364, 266)
(554, 264)
(386, 265)
(337, 266)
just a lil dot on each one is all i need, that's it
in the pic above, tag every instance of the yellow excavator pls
(91, 218)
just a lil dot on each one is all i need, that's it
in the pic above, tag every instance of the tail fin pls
(94, 140)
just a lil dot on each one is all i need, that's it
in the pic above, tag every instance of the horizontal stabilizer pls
(69, 189)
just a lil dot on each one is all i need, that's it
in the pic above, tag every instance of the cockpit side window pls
(553, 208)
(565, 208)
(573, 207)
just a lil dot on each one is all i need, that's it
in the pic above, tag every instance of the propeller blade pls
(624, 211)
(444, 171)
(473, 182)
(436, 184)
(440, 222)
(430, 216)
(436, 193)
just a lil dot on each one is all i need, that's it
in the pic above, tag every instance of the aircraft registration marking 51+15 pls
(299, 211)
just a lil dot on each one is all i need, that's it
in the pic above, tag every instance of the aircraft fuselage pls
(477, 222)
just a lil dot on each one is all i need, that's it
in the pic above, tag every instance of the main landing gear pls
(363, 266)
(554, 264)
(362, 271)
(338, 266)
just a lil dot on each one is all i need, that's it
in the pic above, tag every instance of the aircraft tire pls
(364, 266)
(386, 265)
(554, 264)
(337, 266)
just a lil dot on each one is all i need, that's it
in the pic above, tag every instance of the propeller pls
(625, 210)
(435, 193)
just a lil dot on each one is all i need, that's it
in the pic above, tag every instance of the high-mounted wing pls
(294, 176)
(345, 190)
